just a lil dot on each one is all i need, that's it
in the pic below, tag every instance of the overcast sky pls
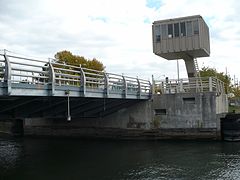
(117, 32)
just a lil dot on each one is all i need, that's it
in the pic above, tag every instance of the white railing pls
(15, 69)
(203, 84)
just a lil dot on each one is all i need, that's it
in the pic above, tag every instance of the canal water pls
(70, 159)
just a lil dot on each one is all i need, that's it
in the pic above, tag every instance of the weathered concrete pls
(138, 116)
(200, 111)
(168, 116)
(12, 127)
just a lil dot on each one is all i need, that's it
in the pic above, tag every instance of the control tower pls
(184, 38)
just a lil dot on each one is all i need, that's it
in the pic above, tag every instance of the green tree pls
(212, 72)
(1, 71)
(236, 91)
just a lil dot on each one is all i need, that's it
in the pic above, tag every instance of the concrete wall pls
(12, 127)
(182, 115)
(189, 110)
(124, 122)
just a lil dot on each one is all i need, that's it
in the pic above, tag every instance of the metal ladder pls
(197, 76)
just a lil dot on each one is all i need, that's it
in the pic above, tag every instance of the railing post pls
(151, 92)
(7, 75)
(163, 87)
(139, 88)
(83, 82)
(106, 85)
(181, 85)
(152, 87)
(222, 88)
(124, 87)
(210, 84)
(52, 78)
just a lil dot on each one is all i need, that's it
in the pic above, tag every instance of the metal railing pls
(203, 84)
(21, 70)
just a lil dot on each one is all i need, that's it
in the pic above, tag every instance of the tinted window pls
(195, 27)
(189, 28)
(164, 31)
(170, 30)
(176, 29)
(157, 33)
(183, 29)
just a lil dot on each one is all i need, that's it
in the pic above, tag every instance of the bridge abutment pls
(124, 123)
(165, 116)
(13, 127)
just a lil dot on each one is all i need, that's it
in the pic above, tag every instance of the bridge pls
(38, 97)
(32, 87)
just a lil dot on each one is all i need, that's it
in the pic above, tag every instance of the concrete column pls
(190, 68)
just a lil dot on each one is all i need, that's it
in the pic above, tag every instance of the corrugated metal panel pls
(188, 35)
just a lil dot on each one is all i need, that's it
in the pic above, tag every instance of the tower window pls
(183, 29)
(189, 28)
(157, 33)
(195, 27)
(164, 31)
(176, 29)
(170, 30)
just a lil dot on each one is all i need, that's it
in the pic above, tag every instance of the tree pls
(68, 58)
(1, 71)
(212, 72)
(236, 91)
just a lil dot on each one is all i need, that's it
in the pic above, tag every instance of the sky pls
(118, 32)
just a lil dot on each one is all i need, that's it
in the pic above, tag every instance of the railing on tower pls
(189, 85)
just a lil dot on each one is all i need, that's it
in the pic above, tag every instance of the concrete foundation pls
(167, 116)
(12, 127)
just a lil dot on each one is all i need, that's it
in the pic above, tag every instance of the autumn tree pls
(68, 58)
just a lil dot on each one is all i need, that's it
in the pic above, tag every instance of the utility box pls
(178, 37)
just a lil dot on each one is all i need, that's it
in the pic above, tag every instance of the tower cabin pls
(184, 38)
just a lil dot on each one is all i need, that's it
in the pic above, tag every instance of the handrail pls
(23, 58)
(55, 74)
(203, 84)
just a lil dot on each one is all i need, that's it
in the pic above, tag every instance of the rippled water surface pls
(28, 158)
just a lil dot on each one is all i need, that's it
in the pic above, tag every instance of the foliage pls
(212, 72)
(236, 91)
(68, 58)
(156, 122)
(1, 71)
(235, 109)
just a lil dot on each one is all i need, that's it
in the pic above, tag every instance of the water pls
(70, 159)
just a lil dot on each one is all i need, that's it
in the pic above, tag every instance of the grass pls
(234, 108)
